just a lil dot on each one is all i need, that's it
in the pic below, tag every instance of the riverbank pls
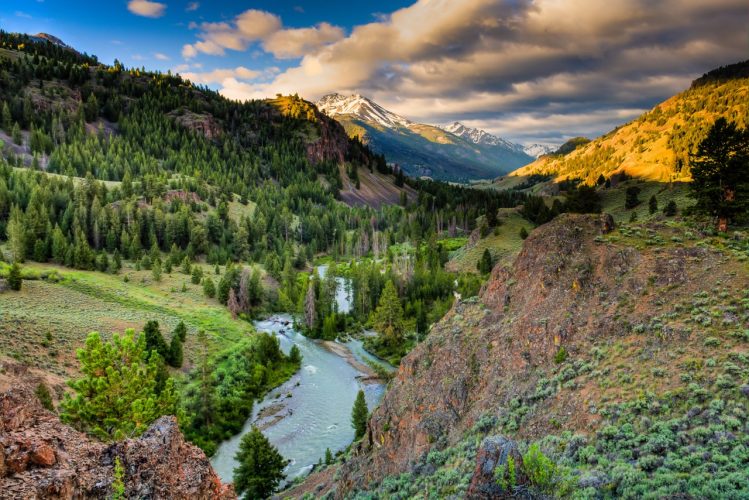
(311, 412)
(369, 375)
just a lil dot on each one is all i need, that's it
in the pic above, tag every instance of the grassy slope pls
(644, 148)
(507, 243)
(503, 245)
(85, 301)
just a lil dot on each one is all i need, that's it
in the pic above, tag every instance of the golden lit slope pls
(655, 146)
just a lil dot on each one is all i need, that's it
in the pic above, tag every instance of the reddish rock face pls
(42, 458)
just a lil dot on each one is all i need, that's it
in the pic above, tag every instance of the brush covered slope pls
(657, 145)
(420, 149)
(614, 366)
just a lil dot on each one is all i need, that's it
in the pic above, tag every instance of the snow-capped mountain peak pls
(478, 136)
(538, 150)
(361, 107)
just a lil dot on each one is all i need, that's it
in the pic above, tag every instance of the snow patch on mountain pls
(362, 108)
(478, 136)
(538, 150)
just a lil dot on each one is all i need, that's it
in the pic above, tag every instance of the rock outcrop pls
(42, 458)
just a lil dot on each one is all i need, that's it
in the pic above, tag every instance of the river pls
(312, 410)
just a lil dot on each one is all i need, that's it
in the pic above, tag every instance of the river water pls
(311, 411)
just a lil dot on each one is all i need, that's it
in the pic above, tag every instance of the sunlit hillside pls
(657, 145)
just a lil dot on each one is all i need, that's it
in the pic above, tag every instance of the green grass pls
(452, 244)
(613, 199)
(237, 210)
(85, 301)
(503, 245)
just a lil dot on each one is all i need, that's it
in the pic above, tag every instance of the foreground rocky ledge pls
(42, 458)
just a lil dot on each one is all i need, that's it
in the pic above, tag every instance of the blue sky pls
(527, 70)
(109, 30)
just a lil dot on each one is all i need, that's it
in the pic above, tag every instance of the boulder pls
(495, 451)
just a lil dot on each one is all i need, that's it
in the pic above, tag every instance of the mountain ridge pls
(422, 149)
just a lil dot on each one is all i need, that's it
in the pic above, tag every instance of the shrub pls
(560, 356)
(45, 398)
(539, 468)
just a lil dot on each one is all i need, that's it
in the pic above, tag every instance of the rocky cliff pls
(581, 321)
(43, 458)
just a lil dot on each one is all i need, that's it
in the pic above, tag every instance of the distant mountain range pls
(484, 138)
(453, 153)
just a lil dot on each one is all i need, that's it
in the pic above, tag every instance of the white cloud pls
(292, 43)
(146, 8)
(188, 51)
(192, 6)
(160, 56)
(249, 26)
(221, 75)
(259, 26)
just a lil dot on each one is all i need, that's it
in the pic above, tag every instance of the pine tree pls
(260, 467)
(209, 289)
(154, 340)
(7, 120)
(720, 173)
(197, 275)
(14, 277)
(156, 270)
(116, 262)
(670, 209)
(117, 395)
(485, 264)
(653, 205)
(180, 331)
(59, 245)
(359, 415)
(294, 355)
(632, 199)
(174, 358)
(17, 234)
(16, 134)
(328, 456)
(388, 318)
(45, 397)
